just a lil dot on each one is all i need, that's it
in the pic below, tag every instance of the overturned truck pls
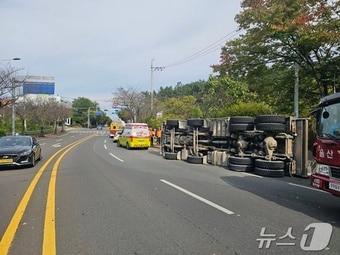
(268, 145)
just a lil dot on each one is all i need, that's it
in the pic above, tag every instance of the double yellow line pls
(49, 240)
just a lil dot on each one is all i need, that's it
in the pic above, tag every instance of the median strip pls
(12, 227)
(49, 240)
(206, 201)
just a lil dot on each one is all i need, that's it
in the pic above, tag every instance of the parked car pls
(19, 150)
(135, 135)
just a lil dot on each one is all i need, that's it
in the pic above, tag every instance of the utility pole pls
(152, 69)
(296, 91)
(151, 85)
(88, 113)
(88, 117)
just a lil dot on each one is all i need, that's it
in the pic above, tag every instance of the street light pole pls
(13, 97)
(88, 117)
(10, 59)
(13, 109)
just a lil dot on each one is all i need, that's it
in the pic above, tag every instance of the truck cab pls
(326, 148)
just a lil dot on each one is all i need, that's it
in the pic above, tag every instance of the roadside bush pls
(2, 132)
(247, 109)
(154, 122)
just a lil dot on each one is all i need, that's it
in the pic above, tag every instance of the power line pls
(206, 50)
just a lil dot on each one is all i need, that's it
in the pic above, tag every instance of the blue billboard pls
(46, 88)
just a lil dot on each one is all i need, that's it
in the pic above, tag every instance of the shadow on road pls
(9, 168)
(321, 206)
(154, 152)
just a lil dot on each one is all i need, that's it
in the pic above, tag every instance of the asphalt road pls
(110, 200)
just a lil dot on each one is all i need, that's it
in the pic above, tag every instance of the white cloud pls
(91, 47)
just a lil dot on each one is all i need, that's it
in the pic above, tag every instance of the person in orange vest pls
(152, 134)
(158, 132)
(158, 135)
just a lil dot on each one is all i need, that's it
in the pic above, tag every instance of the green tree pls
(220, 92)
(305, 32)
(247, 109)
(181, 108)
(80, 107)
(190, 89)
(274, 86)
(154, 122)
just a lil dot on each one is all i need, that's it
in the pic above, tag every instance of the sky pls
(94, 47)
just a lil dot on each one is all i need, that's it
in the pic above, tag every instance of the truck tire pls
(195, 159)
(271, 119)
(241, 127)
(240, 168)
(272, 127)
(170, 155)
(269, 172)
(240, 160)
(196, 123)
(241, 119)
(267, 164)
(170, 124)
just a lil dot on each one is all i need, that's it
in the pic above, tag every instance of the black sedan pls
(19, 151)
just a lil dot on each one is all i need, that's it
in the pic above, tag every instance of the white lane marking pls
(305, 187)
(42, 143)
(212, 204)
(72, 136)
(59, 140)
(57, 145)
(253, 175)
(105, 147)
(105, 141)
(116, 157)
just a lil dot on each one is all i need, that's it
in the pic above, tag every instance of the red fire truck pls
(326, 148)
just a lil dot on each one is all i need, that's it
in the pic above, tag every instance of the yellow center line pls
(49, 241)
(13, 225)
